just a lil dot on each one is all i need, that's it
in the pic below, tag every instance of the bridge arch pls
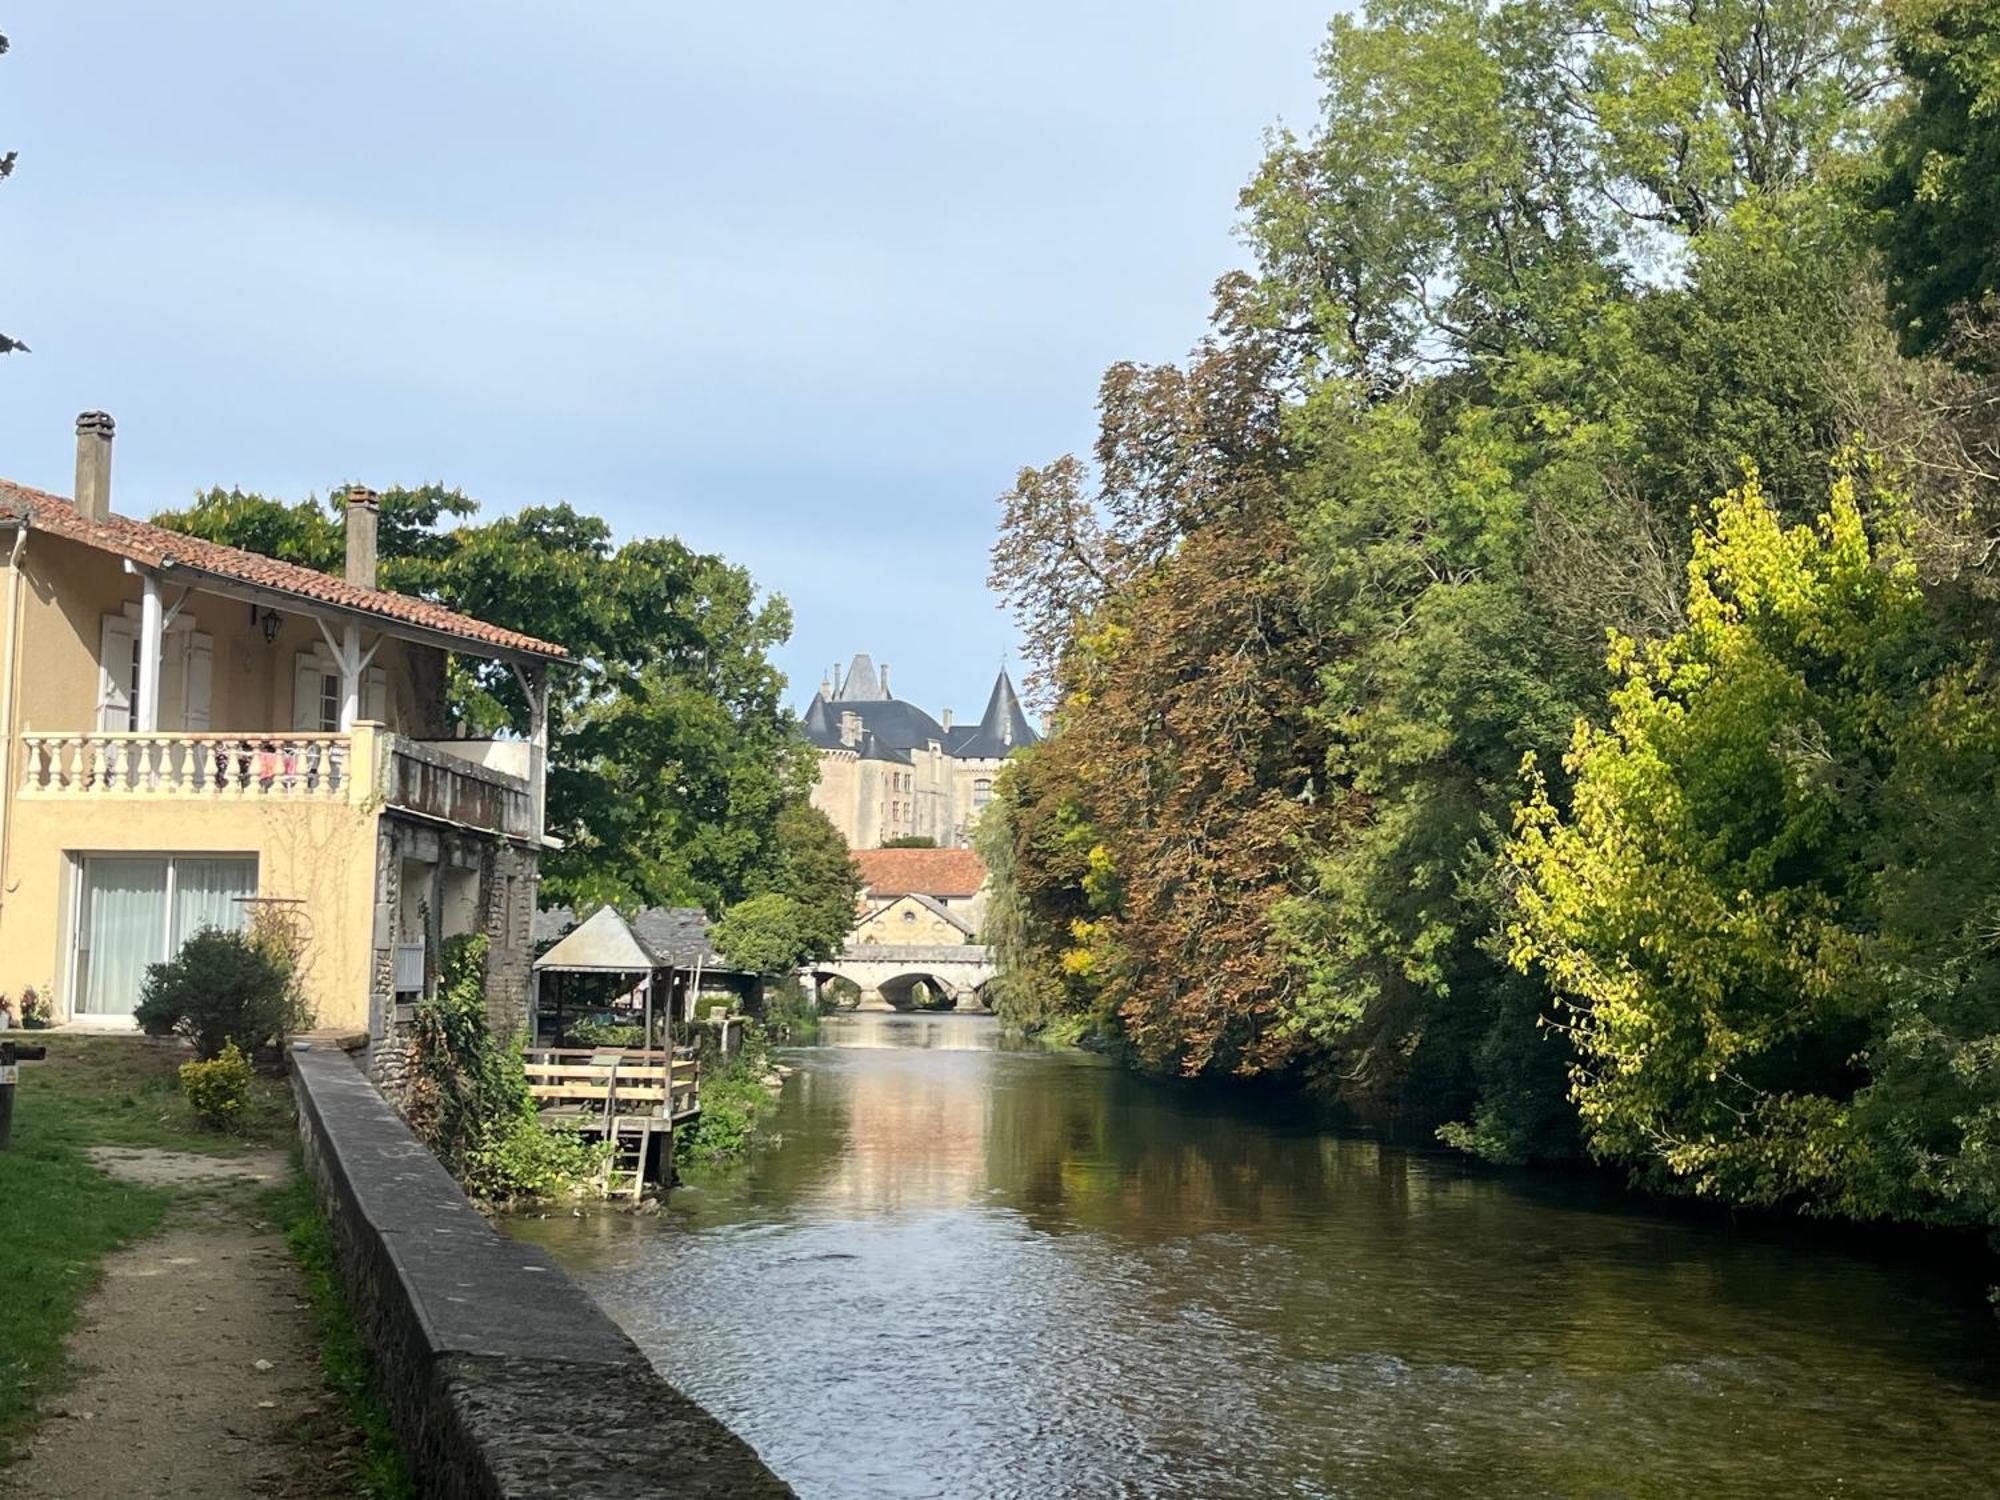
(887, 975)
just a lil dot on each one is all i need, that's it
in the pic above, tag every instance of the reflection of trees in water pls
(915, 1134)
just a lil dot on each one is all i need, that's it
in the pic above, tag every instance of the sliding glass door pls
(138, 911)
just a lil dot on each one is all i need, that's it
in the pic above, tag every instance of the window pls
(317, 695)
(138, 911)
(982, 792)
(187, 673)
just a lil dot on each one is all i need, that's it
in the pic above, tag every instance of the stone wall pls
(502, 875)
(502, 1378)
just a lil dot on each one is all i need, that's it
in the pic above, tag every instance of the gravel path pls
(199, 1364)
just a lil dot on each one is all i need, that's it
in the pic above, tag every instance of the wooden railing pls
(222, 766)
(609, 1081)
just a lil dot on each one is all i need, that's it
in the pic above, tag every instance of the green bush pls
(733, 1098)
(222, 987)
(219, 1089)
(469, 1097)
(790, 1012)
(519, 1157)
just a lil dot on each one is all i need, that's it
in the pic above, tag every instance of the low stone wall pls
(502, 1377)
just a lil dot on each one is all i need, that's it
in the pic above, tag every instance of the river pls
(965, 1267)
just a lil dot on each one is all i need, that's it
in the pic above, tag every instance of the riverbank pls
(160, 1336)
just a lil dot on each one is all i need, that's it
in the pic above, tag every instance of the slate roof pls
(890, 728)
(861, 685)
(1003, 729)
(156, 547)
(673, 937)
(950, 873)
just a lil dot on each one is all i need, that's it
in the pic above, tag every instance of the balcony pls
(217, 769)
(434, 783)
(196, 767)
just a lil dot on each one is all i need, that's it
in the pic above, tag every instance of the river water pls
(965, 1267)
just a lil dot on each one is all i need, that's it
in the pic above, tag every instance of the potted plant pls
(34, 1010)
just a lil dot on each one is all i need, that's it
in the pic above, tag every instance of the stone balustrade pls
(313, 767)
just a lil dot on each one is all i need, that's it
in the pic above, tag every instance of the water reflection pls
(965, 1268)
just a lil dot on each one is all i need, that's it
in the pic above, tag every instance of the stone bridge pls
(888, 973)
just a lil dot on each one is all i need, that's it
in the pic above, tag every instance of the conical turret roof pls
(1001, 730)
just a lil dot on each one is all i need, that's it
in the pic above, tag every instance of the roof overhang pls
(172, 571)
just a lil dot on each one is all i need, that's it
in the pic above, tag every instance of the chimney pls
(885, 681)
(947, 718)
(363, 513)
(93, 464)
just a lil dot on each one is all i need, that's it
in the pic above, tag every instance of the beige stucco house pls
(920, 895)
(910, 918)
(888, 770)
(189, 732)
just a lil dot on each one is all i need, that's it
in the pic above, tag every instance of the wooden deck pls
(623, 1095)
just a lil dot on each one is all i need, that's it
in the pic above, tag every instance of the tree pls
(763, 934)
(1940, 180)
(672, 755)
(812, 867)
(1708, 912)
(7, 159)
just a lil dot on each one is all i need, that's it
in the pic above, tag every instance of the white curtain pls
(124, 928)
(206, 893)
(127, 926)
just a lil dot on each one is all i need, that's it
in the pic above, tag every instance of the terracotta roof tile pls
(951, 873)
(155, 546)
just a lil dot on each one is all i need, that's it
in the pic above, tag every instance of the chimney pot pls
(363, 518)
(93, 464)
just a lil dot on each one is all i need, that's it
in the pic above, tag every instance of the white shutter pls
(114, 674)
(199, 682)
(306, 674)
(375, 695)
(173, 679)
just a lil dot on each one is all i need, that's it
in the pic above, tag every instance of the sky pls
(803, 284)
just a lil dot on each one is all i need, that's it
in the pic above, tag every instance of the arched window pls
(982, 792)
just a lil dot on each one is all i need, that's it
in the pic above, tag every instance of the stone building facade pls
(888, 770)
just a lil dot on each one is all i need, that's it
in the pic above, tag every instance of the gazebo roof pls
(604, 944)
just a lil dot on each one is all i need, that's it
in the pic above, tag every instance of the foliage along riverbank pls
(1528, 673)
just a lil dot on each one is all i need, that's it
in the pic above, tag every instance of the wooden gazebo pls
(630, 1096)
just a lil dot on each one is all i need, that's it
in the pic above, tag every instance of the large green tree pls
(672, 756)
(802, 904)
(1940, 181)
(1767, 910)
